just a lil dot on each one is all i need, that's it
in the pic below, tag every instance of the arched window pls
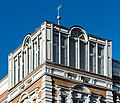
(26, 55)
(78, 48)
(80, 94)
(24, 98)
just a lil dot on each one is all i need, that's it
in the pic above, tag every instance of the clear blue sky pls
(18, 17)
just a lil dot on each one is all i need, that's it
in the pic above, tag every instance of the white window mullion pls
(26, 60)
(41, 51)
(59, 48)
(21, 66)
(35, 55)
(24, 63)
(68, 51)
(78, 53)
(39, 46)
(96, 58)
(51, 42)
(13, 72)
(16, 69)
(10, 63)
(106, 70)
(88, 56)
(32, 57)
(37, 52)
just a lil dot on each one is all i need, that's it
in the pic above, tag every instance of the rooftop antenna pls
(59, 17)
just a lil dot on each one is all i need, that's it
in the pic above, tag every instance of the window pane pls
(54, 54)
(23, 66)
(63, 99)
(18, 68)
(28, 60)
(63, 50)
(55, 48)
(63, 56)
(80, 102)
(39, 52)
(75, 101)
(48, 34)
(72, 52)
(100, 59)
(82, 55)
(15, 64)
(92, 57)
(100, 50)
(48, 50)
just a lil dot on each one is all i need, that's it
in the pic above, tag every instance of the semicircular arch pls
(78, 32)
(82, 88)
(23, 96)
(26, 41)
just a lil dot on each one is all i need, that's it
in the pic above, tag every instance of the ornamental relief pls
(31, 97)
(79, 94)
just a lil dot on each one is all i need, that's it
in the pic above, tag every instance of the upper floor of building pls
(71, 47)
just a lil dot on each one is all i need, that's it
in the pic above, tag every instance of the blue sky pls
(18, 17)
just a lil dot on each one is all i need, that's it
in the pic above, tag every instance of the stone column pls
(69, 98)
(58, 95)
(98, 100)
(87, 100)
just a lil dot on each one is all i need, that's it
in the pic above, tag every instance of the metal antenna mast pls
(59, 17)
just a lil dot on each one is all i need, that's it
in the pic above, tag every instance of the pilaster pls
(46, 89)
(109, 97)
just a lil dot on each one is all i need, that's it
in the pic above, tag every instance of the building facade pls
(56, 64)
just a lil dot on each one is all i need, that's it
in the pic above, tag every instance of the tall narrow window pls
(28, 61)
(26, 56)
(48, 44)
(39, 52)
(15, 64)
(77, 54)
(36, 51)
(35, 55)
(92, 57)
(83, 55)
(19, 68)
(48, 49)
(63, 50)
(73, 52)
(100, 59)
(55, 48)
(23, 65)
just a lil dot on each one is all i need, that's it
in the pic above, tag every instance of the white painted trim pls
(52, 42)
(96, 58)
(59, 48)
